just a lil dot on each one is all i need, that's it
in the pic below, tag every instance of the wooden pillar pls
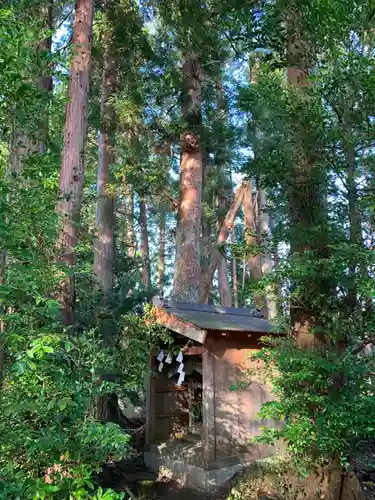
(150, 406)
(208, 432)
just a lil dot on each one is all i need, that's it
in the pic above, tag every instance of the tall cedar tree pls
(104, 244)
(187, 278)
(72, 166)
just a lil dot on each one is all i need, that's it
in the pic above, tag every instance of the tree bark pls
(206, 251)
(145, 255)
(355, 228)
(221, 239)
(235, 276)
(266, 259)
(263, 225)
(187, 276)
(72, 166)
(46, 80)
(161, 262)
(207, 199)
(225, 193)
(253, 258)
(224, 287)
(305, 198)
(127, 206)
(104, 244)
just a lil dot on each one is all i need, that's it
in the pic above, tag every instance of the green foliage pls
(47, 402)
(272, 477)
(323, 400)
(263, 129)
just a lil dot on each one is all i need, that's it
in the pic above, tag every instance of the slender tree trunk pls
(145, 255)
(222, 238)
(206, 239)
(130, 222)
(235, 276)
(72, 166)
(127, 206)
(224, 288)
(2, 314)
(46, 80)
(223, 272)
(206, 252)
(225, 193)
(266, 259)
(253, 259)
(161, 262)
(188, 271)
(263, 226)
(355, 229)
(105, 219)
(23, 142)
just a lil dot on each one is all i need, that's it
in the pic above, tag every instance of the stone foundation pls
(190, 473)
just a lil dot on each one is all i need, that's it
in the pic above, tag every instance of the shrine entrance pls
(177, 397)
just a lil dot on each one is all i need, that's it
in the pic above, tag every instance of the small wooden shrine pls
(201, 414)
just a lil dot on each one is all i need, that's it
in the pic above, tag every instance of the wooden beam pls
(208, 434)
(196, 350)
(164, 318)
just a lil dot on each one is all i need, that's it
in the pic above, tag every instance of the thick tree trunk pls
(145, 255)
(222, 238)
(305, 184)
(161, 260)
(72, 166)
(104, 244)
(187, 276)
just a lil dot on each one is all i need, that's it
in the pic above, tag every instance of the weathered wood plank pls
(197, 350)
(208, 434)
(162, 317)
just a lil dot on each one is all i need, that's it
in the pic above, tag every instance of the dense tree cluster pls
(217, 152)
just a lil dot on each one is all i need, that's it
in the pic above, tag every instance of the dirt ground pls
(145, 485)
(171, 491)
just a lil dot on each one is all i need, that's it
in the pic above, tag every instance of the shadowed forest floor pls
(145, 485)
(171, 491)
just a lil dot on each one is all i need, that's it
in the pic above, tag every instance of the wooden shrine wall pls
(231, 413)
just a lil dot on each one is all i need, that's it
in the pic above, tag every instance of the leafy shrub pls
(324, 399)
(47, 421)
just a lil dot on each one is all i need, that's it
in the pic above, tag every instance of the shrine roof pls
(211, 317)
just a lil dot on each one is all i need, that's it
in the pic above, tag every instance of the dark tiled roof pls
(209, 317)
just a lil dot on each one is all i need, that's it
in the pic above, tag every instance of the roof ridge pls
(208, 308)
